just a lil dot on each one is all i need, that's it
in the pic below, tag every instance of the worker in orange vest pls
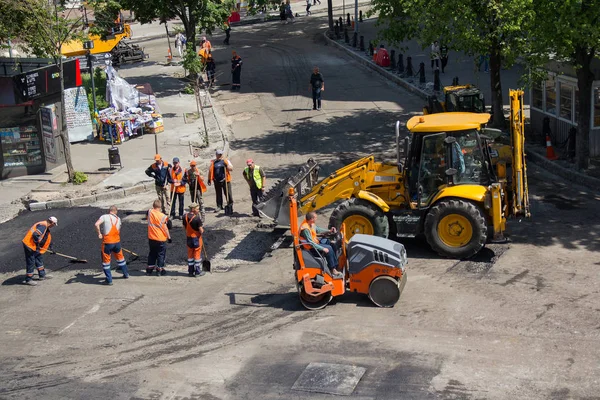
(193, 232)
(178, 187)
(220, 173)
(205, 44)
(309, 239)
(108, 228)
(36, 242)
(197, 186)
(158, 236)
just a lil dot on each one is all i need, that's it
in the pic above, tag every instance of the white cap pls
(53, 220)
(219, 152)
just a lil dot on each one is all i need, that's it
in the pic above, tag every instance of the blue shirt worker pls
(309, 239)
(108, 228)
(35, 243)
(160, 171)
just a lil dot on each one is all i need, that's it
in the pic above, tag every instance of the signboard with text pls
(46, 81)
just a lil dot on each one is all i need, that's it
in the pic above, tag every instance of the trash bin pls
(114, 158)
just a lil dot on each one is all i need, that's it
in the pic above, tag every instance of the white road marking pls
(92, 310)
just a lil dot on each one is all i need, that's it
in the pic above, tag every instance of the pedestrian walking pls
(179, 43)
(308, 4)
(316, 85)
(195, 181)
(177, 187)
(219, 173)
(444, 56)
(108, 228)
(236, 71)
(160, 171)
(288, 13)
(36, 243)
(227, 33)
(158, 236)
(255, 177)
(485, 61)
(211, 68)
(316, 1)
(192, 223)
(435, 54)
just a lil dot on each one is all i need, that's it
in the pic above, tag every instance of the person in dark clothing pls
(227, 33)
(308, 7)
(220, 173)
(210, 71)
(316, 1)
(236, 71)
(160, 171)
(255, 177)
(444, 56)
(317, 85)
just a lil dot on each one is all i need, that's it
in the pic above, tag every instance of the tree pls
(203, 15)
(43, 32)
(570, 31)
(477, 27)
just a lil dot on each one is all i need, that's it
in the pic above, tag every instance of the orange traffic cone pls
(550, 154)
(169, 55)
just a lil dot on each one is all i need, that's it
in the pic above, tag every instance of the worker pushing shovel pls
(219, 173)
(36, 242)
(108, 228)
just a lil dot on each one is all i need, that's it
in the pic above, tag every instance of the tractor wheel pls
(384, 291)
(360, 216)
(313, 302)
(456, 229)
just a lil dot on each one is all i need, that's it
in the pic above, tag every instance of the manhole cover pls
(329, 378)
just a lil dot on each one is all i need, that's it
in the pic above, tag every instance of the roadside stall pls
(133, 110)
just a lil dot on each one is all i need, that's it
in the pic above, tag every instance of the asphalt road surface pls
(520, 321)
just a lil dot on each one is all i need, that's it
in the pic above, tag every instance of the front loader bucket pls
(275, 204)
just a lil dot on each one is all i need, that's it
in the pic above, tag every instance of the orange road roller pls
(367, 264)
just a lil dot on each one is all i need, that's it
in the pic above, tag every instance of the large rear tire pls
(456, 229)
(360, 216)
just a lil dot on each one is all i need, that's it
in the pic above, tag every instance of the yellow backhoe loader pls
(444, 185)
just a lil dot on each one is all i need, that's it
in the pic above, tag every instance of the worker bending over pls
(158, 236)
(36, 242)
(108, 228)
(193, 232)
(309, 238)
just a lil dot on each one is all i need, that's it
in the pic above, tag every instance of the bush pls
(79, 178)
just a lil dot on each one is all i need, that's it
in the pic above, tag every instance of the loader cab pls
(463, 99)
(438, 158)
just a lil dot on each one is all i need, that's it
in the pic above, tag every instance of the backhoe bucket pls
(275, 204)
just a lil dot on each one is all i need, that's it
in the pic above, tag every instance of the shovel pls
(228, 207)
(206, 261)
(72, 259)
(135, 256)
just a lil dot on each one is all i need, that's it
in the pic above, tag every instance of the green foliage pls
(202, 15)
(38, 26)
(189, 89)
(105, 14)
(100, 83)
(79, 178)
(191, 61)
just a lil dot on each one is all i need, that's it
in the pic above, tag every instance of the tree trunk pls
(330, 14)
(64, 134)
(585, 78)
(496, 86)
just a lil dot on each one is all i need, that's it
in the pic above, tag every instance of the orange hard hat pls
(193, 162)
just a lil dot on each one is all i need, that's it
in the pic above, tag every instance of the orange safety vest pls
(211, 171)
(177, 177)
(189, 231)
(203, 187)
(313, 233)
(113, 236)
(28, 239)
(157, 226)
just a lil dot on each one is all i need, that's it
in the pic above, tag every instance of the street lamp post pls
(356, 16)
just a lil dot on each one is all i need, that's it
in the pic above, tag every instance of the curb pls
(566, 173)
(371, 65)
(87, 200)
